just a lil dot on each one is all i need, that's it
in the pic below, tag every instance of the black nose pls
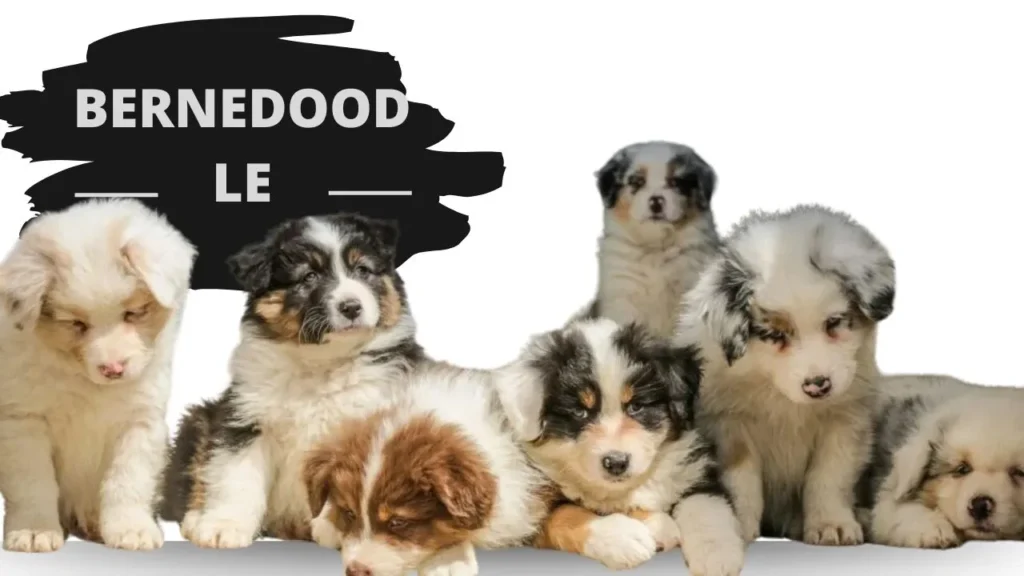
(616, 463)
(981, 507)
(357, 569)
(657, 204)
(350, 309)
(817, 387)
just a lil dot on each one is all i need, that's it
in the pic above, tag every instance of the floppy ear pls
(316, 473)
(862, 265)
(25, 276)
(161, 257)
(252, 266)
(722, 302)
(521, 394)
(699, 180)
(682, 370)
(386, 233)
(464, 486)
(912, 462)
(609, 178)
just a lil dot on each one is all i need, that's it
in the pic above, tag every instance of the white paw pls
(216, 533)
(664, 529)
(33, 540)
(325, 534)
(715, 558)
(750, 524)
(131, 530)
(840, 530)
(459, 560)
(620, 542)
(923, 529)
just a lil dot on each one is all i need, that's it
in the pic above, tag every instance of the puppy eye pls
(833, 324)
(580, 413)
(637, 181)
(348, 515)
(776, 336)
(363, 270)
(397, 523)
(310, 277)
(634, 409)
(963, 469)
(133, 315)
(1017, 473)
(80, 327)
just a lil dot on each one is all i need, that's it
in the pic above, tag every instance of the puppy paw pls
(325, 534)
(459, 560)
(217, 533)
(716, 559)
(924, 529)
(620, 542)
(131, 530)
(750, 526)
(34, 540)
(840, 531)
(664, 529)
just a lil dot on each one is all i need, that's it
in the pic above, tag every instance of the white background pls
(908, 115)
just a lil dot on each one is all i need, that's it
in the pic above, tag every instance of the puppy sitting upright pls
(326, 331)
(659, 233)
(606, 411)
(787, 317)
(91, 301)
(948, 465)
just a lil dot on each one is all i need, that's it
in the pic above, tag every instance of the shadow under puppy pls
(419, 484)
(92, 299)
(786, 318)
(659, 233)
(326, 332)
(947, 465)
(607, 412)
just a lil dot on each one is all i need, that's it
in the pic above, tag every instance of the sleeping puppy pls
(91, 300)
(659, 233)
(326, 331)
(786, 317)
(606, 412)
(421, 483)
(947, 465)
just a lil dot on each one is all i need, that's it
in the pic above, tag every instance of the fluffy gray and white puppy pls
(786, 318)
(947, 464)
(659, 233)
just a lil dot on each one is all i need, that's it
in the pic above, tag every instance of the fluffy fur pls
(786, 317)
(659, 233)
(947, 464)
(326, 332)
(92, 299)
(423, 482)
(607, 412)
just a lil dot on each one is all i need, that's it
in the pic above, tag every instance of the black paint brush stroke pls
(305, 163)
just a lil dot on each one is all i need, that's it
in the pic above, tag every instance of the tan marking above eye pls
(627, 394)
(588, 398)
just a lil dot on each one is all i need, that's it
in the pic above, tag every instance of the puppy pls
(326, 331)
(91, 299)
(659, 233)
(947, 465)
(421, 483)
(787, 317)
(607, 412)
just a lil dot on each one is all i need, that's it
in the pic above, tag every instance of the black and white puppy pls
(947, 466)
(786, 318)
(659, 233)
(607, 412)
(325, 334)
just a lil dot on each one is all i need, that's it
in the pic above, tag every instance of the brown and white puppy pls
(607, 412)
(786, 318)
(659, 233)
(326, 332)
(420, 484)
(947, 465)
(91, 300)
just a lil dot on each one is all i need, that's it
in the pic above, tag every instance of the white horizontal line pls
(116, 194)
(370, 193)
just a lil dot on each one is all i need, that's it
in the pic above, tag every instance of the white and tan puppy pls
(92, 299)
(947, 465)
(786, 318)
(659, 233)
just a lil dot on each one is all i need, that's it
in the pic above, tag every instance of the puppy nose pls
(616, 463)
(817, 387)
(357, 569)
(113, 370)
(981, 507)
(657, 204)
(350, 309)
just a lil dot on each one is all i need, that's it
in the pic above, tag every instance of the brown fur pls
(567, 529)
(197, 496)
(282, 322)
(150, 317)
(626, 395)
(622, 206)
(587, 398)
(390, 304)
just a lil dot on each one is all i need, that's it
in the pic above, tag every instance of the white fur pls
(74, 448)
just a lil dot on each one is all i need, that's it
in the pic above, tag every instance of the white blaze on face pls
(654, 162)
(348, 289)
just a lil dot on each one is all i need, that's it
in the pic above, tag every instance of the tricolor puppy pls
(326, 332)
(91, 300)
(607, 412)
(659, 233)
(422, 483)
(786, 317)
(948, 466)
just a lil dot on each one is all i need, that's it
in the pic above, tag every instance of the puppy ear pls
(683, 370)
(386, 234)
(25, 277)
(609, 178)
(316, 473)
(161, 257)
(721, 301)
(464, 486)
(698, 179)
(862, 265)
(252, 266)
(521, 394)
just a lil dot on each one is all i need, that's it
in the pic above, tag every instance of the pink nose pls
(113, 370)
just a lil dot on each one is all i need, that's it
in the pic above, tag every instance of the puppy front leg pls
(616, 540)
(711, 535)
(840, 455)
(458, 560)
(742, 477)
(129, 490)
(911, 525)
(235, 486)
(29, 487)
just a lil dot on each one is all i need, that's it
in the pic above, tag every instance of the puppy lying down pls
(421, 483)
(947, 465)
